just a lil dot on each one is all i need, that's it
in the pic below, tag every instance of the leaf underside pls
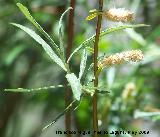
(139, 114)
(75, 85)
(83, 63)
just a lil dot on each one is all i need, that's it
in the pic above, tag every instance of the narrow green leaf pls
(17, 90)
(61, 32)
(27, 14)
(45, 46)
(60, 115)
(103, 33)
(33, 89)
(75, 85)
(139, 114)
(83, 64)
(111, 30)
(13, 54)
(91, 16)
(136, 36)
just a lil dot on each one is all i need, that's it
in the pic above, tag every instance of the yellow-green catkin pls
(119, 15)
(119, 58)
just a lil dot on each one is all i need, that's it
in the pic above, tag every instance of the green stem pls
(94, 103)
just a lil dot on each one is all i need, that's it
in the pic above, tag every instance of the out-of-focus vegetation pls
(133, 101)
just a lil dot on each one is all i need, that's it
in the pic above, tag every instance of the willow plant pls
(58, 55)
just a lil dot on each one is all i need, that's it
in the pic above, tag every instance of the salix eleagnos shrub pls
(57, 54)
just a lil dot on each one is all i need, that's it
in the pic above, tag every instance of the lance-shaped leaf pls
(27, 14)
(33, 89)
(91, 16)
(103, 33)
(83, 63)
(139, 114)
(60, 30)
(45, 46)
(61, 114)
(75, 85)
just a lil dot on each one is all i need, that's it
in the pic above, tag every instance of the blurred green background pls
(134, 88)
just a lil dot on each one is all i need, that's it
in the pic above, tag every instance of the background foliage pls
(133, 88)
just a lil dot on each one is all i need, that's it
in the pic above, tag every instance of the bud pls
(119, 58)
(118, 15)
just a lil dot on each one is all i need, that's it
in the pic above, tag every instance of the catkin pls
(119, 58)
(119, 15)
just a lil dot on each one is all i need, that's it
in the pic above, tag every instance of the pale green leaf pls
(91, 16)
(93, 11)
(136, 36)
(75, 85)
(103, 33)
(12, 54)
(60, 30)
(83, 63)
(33, 89)
(45, 46)
(139, 114)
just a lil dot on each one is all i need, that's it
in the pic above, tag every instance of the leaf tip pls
(43, 129)
(19, 4)
(6, 90)
(70, 8)
(12, 23)
(147, 25)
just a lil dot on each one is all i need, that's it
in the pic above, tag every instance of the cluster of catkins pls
(120, 15)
